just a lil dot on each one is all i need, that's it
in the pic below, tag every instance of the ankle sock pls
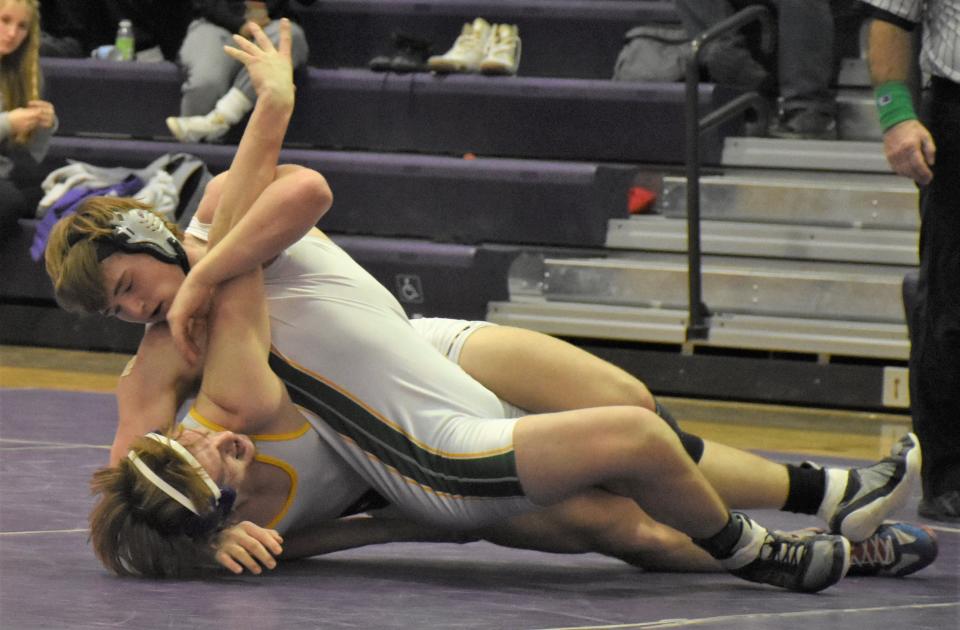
(722, 544)
(807, 488)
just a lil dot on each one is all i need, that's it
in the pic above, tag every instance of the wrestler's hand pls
(248, 546)
(187, 315)
(270, 69)
(910, 150)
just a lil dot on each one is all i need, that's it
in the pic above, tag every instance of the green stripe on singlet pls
(481, 476)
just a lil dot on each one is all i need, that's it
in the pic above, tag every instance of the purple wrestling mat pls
(52, 441)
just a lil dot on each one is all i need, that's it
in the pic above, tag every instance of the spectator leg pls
(209, 71)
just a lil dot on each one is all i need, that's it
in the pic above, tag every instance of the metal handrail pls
(698, 313)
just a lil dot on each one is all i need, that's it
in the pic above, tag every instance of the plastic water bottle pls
(125, 44)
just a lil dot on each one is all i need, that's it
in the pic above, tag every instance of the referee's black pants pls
(935, 318)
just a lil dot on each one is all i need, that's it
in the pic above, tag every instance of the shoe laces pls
(469, 40)
(503, 42)
(875, 551)
(783, 550)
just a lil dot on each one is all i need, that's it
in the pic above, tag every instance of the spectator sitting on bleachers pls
(217, 92)
(805, 66)
(74, 28)
(26, 122)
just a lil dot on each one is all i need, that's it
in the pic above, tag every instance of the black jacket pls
(229, 13)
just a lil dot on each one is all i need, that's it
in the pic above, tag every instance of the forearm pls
(139, 413)
(890, 52)
(288, 208)
(151, 389)
(254, 165)
(350, 533)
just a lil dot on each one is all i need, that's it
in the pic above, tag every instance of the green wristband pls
(894, 103)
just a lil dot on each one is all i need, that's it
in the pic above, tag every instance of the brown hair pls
(137, 529)
(20, 70)
(71, 253)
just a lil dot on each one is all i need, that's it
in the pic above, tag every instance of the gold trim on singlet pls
(287, 468)
(270, 437)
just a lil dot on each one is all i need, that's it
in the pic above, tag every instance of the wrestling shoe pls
(894, 550)
(808, 563)
(856, 501)
(197, 128)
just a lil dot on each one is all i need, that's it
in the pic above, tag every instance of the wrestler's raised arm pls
(254, 189)
(260, 208)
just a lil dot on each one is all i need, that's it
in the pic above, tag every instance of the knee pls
(631, 391)
(299, 49)
(643, 438)
(309, 188)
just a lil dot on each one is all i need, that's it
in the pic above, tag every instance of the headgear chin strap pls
(139, 231)
(168, 489)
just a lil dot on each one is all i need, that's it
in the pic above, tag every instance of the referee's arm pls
(908, 145)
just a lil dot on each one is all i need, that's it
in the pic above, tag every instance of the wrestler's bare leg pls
(600, 522)
(543, 374)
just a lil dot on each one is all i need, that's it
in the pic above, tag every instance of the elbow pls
(313, 194)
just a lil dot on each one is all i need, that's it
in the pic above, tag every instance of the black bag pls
(653, 53)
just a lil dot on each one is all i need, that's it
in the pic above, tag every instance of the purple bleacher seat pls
(561, 38)
(532, 202)
(538, 118)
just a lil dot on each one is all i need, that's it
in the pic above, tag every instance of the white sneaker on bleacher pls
(228, 111)
(503, 51)
(468, 50)
(197, 128)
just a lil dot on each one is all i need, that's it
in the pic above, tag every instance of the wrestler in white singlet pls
(430, 439)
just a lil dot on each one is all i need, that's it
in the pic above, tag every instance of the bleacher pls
(506, 198)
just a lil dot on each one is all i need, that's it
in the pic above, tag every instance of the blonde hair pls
(71, 254)
(20, 70)
(138, 529)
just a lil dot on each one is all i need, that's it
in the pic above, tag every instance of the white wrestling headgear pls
(139, 231)
(168, 489)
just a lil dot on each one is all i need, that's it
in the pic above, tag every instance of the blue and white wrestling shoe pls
(894, 550)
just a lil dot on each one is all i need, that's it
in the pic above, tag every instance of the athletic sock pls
(723, 543)
(807, 488)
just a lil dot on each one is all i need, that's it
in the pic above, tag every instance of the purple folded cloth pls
(70, 201)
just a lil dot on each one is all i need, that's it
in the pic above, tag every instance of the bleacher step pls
(854, 73)
(459, 114)
(857, 115)
(732, 285)
(738, 238)
(561, 38)
(823, 337)
(440, 198)
(817, 155)
(852, 200)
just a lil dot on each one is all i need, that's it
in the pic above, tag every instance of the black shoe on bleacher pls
(409, 54)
